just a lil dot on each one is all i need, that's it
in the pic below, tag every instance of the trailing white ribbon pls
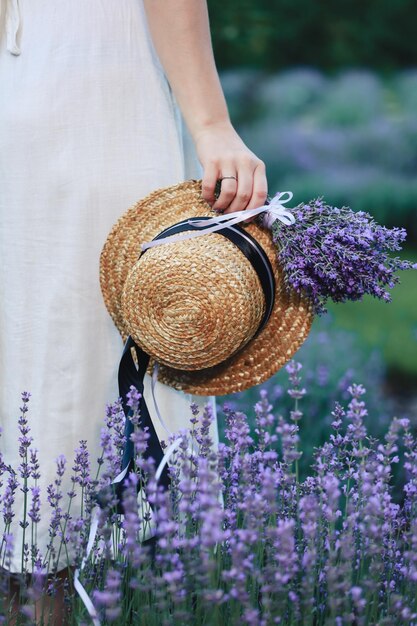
(96, 512)
(274, 211)
(94, 528)
(155, 404)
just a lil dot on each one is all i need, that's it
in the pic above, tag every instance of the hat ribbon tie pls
(129, 376)
(274, 211)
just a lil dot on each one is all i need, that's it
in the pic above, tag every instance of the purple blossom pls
(112, 441)
(289, 439)
(81, 467)
(140, 438)
(133, 398)
(115, 422)
(355, 413)
(284, 553)
(24, 429)
(54, 499)
(132, 522)
(35, 591)
(202, 434)
(34, 464)
(34, 511)
(338, 253)
(108, 600)
(24, 443)
(265, 422)
(9, 498)
(208, 511)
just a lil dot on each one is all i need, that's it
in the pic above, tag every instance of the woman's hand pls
(225, 157)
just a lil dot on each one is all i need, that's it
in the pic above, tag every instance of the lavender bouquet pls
(337, 253)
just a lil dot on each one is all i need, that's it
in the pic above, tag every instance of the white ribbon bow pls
(274, 211)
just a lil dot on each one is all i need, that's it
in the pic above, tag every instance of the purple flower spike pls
(34, 512)
(108, 600)
(34, 464)
(132, 523)
(9, 498)
(296, 392)
(338, 254)
(133, 398)
(81, 466)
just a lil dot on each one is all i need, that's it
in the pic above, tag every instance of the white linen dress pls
(88, 125)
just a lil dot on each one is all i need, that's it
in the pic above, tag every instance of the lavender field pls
(334, 546)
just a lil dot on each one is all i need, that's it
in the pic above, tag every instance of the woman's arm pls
(181, 35)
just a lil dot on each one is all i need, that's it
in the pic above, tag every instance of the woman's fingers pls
(211, 174)
(260, 188)
(228, 188)
(249, 191)
(225, 157)
(243, 191)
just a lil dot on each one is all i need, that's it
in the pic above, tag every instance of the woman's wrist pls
(181, 35)
(199, 128)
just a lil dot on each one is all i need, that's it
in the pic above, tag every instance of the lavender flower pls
(338, 253)
(133, 401)
(108, 600)
(9, 498)
(115, 422)
(112, 441)
(81, 467)
(24, 441)
(34, 512)
(34, 464)
(132, 522)
(54, 498)
(293, 368)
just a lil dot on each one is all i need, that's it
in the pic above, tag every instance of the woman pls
(88, 125)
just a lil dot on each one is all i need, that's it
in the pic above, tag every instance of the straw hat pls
(195, 306)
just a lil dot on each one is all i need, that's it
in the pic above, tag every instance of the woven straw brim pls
(264, 355)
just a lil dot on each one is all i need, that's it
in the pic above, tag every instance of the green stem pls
(25, 502)
(296, 449)
(3, 541)
(63, 534)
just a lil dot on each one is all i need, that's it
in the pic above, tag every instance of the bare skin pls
(181, 35)
(47, 610)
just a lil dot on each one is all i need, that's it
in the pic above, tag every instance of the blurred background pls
(326, 94)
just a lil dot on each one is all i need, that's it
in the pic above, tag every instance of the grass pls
(392, 328)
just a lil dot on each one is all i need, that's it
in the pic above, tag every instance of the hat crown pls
(193, 304)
